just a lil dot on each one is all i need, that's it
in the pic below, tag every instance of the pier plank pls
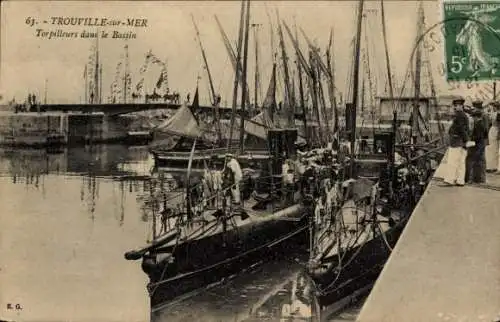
(446, 265)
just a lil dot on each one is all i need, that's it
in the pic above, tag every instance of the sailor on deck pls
(288, 181)
(233, 165)
(459, 135)
(476, 165)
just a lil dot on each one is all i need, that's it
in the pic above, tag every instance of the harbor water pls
(68, 218)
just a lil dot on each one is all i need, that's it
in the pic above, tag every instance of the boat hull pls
(138, 138)
(367, 263)
(217, 158)
(198, 263)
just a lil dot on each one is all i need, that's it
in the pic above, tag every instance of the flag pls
(128, 83)
(85, 72)
(144, 67)
(164, 76)
(140, 85)
(160, 81)
(155, 60)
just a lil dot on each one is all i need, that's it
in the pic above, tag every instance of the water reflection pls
(128, 170)
(88, 206)
(92, 164)
(275, 291)
(97, 160)
(67, 219)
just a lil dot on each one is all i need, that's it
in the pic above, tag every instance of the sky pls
(27, 61)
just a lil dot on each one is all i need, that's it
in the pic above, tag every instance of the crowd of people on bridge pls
(473, 143)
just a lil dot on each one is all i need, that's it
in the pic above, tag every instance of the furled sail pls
(182, 123)
(259, 124)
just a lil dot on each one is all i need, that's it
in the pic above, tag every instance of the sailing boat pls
(206, 236)
(358, 220)
(252, 128)
(174, 152)
(209, 238)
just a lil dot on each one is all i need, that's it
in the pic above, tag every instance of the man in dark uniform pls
(476, 157)
(458, 136)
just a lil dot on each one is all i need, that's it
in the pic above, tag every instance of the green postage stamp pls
(472, 40)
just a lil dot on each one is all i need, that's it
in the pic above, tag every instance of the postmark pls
(451, 76)
(472, 40)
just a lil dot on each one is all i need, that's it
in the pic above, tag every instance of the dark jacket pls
(487, 123)
(480, 131)
(459, 130)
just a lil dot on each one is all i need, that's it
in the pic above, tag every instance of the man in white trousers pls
(235, 168)
(457, 153)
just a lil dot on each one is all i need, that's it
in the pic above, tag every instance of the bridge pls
(117, 109)
(446, 265)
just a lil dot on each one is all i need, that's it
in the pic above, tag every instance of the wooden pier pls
(446, 265)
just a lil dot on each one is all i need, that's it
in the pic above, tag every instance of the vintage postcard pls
(249, 160)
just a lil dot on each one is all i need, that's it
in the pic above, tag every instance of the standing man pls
(492, 148)
(458, 136)
(477, 166)
(288, 181)
(234, 167)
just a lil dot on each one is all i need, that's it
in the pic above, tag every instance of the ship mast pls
(284, 58)
(100, 84)
(126, 75)
(301, 86)
(96, 73)
(355, 78)
(244, 85)
(418, 63)
(313, 91)
(227, 44)
(321, 95)
(230, 51)
(215, 101)
(271, 30)
(386, 47)
(317, 66)
(330, 61)
(255, 27)
(85, 75)
(45, 93)
(204, 56)
(302, 62)
(236, 77)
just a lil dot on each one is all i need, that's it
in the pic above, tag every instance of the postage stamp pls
(472, 40)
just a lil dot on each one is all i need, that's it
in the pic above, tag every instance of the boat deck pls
(348, 239)
(206, 224)
(446, 265)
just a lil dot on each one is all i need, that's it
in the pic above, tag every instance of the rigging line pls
(377, 79)
(368, 67)
(427, 57)
(191, 273)
(384, 238)
(223, 73)
(383, 73)
(349, 80)
(368, 50)
(155, 286)
(342, 267)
